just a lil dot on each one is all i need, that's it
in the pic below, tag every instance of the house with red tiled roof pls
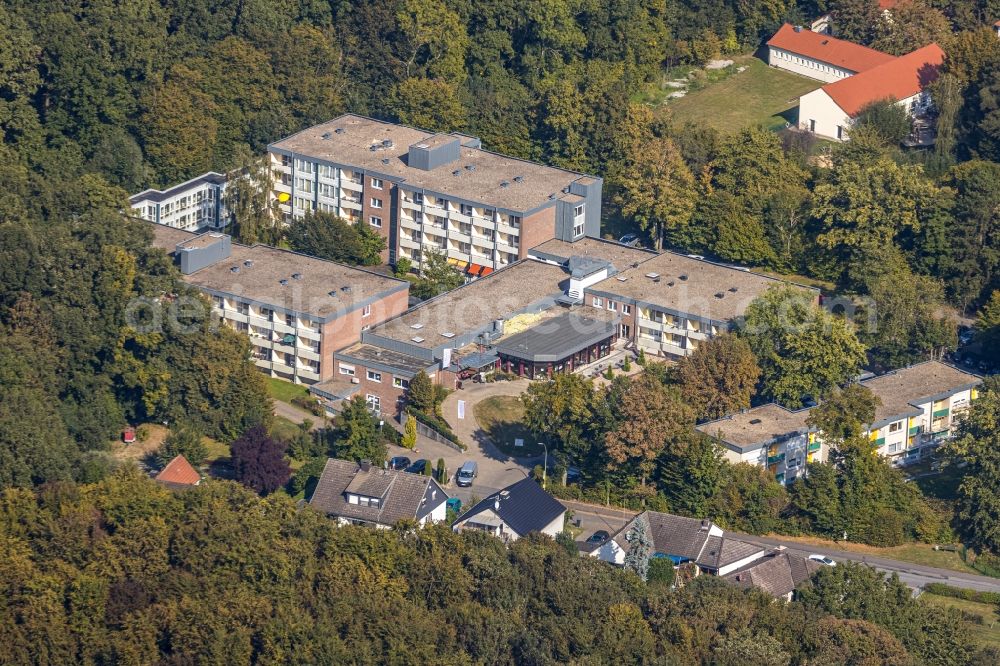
(829, 111)
(179, 474)
(820, 56)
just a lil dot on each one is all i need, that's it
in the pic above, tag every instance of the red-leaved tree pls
(259, 461)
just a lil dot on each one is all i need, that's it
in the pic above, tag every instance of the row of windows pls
(612, 305)
(809, 62)
(373, 376)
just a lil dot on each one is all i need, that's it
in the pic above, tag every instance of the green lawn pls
(987, 633)
(283, 429)
(760, 95)
(285, 391)
(501, 417)
(217, 451)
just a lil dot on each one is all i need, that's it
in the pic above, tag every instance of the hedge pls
(944, 590)
(438, 425)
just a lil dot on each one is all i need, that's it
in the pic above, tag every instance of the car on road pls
(629, 239)
(418, 467)
(467, 473)
(399, 462)
(822, 559)
(598, 537)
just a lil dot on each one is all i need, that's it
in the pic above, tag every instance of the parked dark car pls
(418, 467)
(399, 462)
(598, 537)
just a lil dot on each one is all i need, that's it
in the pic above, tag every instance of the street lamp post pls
(545, 464)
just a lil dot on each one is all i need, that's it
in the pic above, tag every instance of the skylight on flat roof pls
(417, 326)
(448, 334)
(417, 339)
(652, 276)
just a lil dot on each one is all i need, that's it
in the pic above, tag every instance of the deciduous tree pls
(259, 461)
(720, 377)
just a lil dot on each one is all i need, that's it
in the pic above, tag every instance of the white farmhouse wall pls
(818, 113)
(799, 64)
(556, 526)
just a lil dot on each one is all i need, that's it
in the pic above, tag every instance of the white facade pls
(819, 114)
(194, 205)
(488, 521)
(805, 66)
(907, 439)
(786, 458)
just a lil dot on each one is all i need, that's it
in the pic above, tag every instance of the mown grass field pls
(760, 95)
(501, 417)
(987, 633)
(285, 391)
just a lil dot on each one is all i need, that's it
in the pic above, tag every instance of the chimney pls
(365, 465)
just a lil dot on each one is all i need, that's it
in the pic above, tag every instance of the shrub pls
(184, 440)
(442, 471)
(409, 440)
(627, 364)
(661, 571)
(308, 403)
(945, 590)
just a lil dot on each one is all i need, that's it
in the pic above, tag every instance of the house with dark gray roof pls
(360, 494)
(514, 512)
(683, 540)
(777, 573)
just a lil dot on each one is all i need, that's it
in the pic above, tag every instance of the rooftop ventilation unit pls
(565, 190)
(385, 160)
(283, 282)
(448, 334)
(346, 287)
(733, 290)
(339, 130)
(332, 293)
(387, 143)
(296, 276)
(683, 277)
(518, 179)
(671, 283)
(621, 278)
(652, 276)
(374, 147)
(470, 167)
(327, 135)
(720, 294)
(504, 183)
(456, 172)
(755, 421)
(417, 326)
(552, 196)
(248, 263)
(417, 339)
(235, 269)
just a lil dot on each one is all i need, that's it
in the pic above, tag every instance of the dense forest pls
(126, 572)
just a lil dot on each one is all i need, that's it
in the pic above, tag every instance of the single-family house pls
(683, 540)
(360, 494)
(514, 512)
(820, 56)
(778, 573)
(179, 474)
(830, 111)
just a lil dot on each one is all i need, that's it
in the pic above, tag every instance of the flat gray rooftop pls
(167, 238)
(756, 427)
(352, 147)
(474, 305)
(900, 389)
(620, 256)
(557, 337)
(366, 353)
(311, 293)
(693, 286)
(157, 196)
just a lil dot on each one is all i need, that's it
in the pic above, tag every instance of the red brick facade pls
(346, 330)
(536, 229)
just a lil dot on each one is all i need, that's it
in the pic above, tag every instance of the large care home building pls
(361, 494)
(297, 310)
(830, 111)
(192, 206)
(426, 191)
(918, 408)
(769, 436)
(820, 56)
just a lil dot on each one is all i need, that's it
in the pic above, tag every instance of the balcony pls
(348, 184)
(507, 229)
(409, 243)
(455, 216)
(815, 446)
(309, 333)
(350, 204)
(410, 204)
(282, 327)
(940, 413)
(774, 460)
(879, 442)
(308, 353)
(916, 430)
(458, 236)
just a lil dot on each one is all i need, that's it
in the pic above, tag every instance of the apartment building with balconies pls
(769, 436)
(432, 192)
(297, 310)
(920, 407)
(194, 205)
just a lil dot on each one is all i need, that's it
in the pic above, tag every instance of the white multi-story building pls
(193, 205)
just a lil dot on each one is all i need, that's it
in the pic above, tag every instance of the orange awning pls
(486, 271)
(475, 269)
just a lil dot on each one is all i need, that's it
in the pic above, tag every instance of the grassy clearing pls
(916, 553)
(760, 95)
(283, 429)
(285, 391)
(987, 633)
(501, 417)
(218, 452)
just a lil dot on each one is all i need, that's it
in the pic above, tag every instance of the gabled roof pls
(673, 536)
(523, 506)
(898, 79)
(837, 52)
(722, 551)
(778, 574)
(403, 495)
(179, 472)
